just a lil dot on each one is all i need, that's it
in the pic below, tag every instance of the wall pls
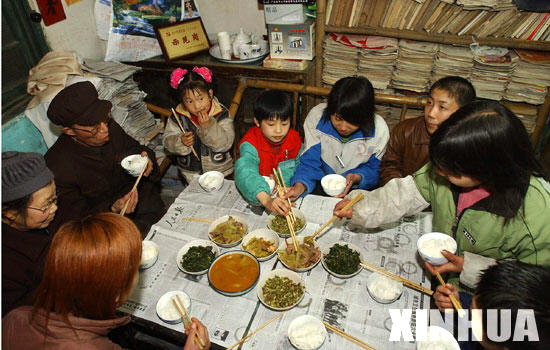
(78, 33)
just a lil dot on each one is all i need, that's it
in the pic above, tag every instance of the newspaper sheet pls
(344, 303)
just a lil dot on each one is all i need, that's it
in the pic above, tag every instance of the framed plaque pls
(182, 39)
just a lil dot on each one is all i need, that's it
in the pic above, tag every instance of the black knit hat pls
(78, 104)
(23, 174)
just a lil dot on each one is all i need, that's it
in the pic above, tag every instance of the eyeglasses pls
(48, 206)
(95, 129)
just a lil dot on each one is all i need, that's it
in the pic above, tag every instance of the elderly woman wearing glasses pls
(29, 204)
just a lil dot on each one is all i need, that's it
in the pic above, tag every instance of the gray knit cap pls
(23, 174)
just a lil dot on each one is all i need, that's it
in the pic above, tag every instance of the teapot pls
(240, 39)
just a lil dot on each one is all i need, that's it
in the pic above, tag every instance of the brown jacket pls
(407, 150)
(20, 331)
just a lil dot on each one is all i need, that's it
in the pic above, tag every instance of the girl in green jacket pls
(486, 191)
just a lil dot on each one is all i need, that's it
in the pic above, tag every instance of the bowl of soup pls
(234, 273)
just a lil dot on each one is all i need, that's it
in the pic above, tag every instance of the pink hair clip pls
(204, 72)
(176, 77)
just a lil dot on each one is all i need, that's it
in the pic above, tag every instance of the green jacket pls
(526, 237)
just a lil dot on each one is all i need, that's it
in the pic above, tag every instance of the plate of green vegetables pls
(278, 223)
(342, 259)
(196, 256)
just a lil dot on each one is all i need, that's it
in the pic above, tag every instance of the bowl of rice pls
(134, 164)
(149, 254)
(438, 338)
(431, 244)
(211, 181)
(383, 289)
(307, 332)
(166, 310)
(333, 184)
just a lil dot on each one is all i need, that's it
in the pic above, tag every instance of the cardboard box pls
(284, 14)
(292, 41)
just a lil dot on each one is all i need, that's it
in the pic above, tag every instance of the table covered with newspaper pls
(344, 303)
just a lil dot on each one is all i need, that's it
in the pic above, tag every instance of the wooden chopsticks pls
(256, 331)
(198, 219)
(405, 281)
(455, 302)
(347, 336)
(186, 319)
(123, 211)
(183, 130)
(346, 207)
(290, 218)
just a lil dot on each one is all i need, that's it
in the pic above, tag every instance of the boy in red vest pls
(268, 145)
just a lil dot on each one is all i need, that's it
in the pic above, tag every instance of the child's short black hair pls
(513, 285)
(352, 98)
(456, 87)
(273, 104)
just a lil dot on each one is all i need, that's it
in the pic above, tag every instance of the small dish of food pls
(134, 164)
(166, 310)
(342, 259)
(438, 338)
(307, 332)
(333, 184)
(383, 289)
(149, 254)
(431, 244)
(278, 223)
(281, 289)
(196, 256)
(307, 258)
(211, 181)
(234, 273)
(262, 243)
(227, 231)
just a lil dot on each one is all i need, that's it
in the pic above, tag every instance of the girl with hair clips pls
(29, 204)
(207, 123)
(91, 269)
(486, 190)
(343, 136)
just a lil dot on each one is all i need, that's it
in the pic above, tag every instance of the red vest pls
(270, 155)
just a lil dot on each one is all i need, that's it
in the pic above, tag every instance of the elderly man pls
(86, 162)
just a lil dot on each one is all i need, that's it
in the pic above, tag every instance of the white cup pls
(245, 51)
(224, 41)
(264, 46)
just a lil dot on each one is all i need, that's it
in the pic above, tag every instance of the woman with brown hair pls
(91, 269)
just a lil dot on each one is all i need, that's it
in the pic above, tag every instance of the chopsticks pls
(405, 281)
(289, 218)
(187, 319)
(183, 130)
(281, 189)
(198, 219)
(455, 302)
(256, 331)
(123, 211)
(346, 207)
(347, 336)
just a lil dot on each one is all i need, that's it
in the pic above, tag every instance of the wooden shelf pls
(442, 38)
(322, 29)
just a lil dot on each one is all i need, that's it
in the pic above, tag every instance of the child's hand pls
(278, 205)
(351, 179)
(455, 264)
(204, 119)
(442, 299)
(295, 191)
(339, 212)
(188, 138)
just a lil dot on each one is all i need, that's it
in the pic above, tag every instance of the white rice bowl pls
(307, 332)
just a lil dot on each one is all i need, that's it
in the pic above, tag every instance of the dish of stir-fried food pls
(308, 255)
(197, 258)
(281, 292)
(342, 260)
(260, 247)
(280, 225)
(228, 232)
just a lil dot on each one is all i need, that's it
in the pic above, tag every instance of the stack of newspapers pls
(413, 68)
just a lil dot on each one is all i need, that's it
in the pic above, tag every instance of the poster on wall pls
(132, 35)
(51, 11)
